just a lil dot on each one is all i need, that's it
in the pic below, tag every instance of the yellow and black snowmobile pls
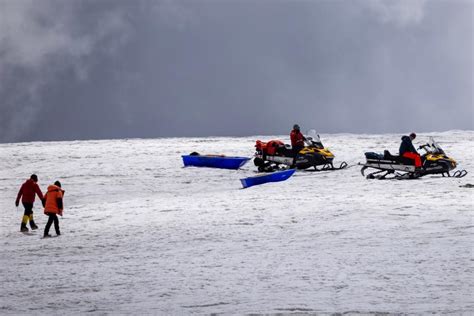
(274, 155)
(434, 161)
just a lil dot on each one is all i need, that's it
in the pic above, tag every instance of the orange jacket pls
(54, 200)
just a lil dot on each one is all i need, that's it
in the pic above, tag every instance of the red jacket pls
(28, 191)
(297, 139)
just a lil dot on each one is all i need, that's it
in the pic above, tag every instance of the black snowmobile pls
(434, 161)
(275, 155)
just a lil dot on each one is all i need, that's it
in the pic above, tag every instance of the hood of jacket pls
(53, 188)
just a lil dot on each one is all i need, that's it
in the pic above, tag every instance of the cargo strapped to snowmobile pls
(270, 147)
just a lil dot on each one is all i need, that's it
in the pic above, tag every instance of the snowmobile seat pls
(372, 155)
(388, 156)
(399, 159)
(285, 150)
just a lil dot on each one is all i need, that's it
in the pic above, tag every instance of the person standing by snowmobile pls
(53, 206)
(27, 194)
(407, 149)
(297, 139)
(297, 142)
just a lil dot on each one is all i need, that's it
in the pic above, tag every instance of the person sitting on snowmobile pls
(297, 139)
(407, 150)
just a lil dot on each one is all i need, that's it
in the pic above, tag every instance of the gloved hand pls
(17, 203)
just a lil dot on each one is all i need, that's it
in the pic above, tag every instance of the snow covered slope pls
(143, 235)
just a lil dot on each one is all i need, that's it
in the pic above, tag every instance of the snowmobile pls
(434, 161)
(275, 155)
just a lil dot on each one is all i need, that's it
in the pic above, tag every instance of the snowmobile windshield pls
(432, 147)
(313, 139)
(436, 148)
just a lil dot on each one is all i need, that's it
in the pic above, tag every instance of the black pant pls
(297, 149)
(28, 208)
(52, 218)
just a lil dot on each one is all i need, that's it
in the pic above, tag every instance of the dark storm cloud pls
(108, 69)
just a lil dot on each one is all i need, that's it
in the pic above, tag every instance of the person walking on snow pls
(407, 149)
(27, 194)
(53, 206)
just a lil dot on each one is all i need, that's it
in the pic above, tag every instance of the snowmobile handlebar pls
(424, 146)
(313, 141)
(432, 148)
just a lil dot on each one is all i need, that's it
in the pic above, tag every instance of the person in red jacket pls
(27, 194)
(297, 139)
(53, 205)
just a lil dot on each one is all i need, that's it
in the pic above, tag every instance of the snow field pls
(143, 235)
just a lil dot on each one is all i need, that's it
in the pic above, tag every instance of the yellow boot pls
(24, 221)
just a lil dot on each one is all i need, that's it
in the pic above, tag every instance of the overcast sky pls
(91, 69)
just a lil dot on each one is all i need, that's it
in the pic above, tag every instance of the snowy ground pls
(143, 235)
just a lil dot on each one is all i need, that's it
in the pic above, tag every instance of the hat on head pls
(296, 126)
(34, 177)
(413, 135)
(57, 183)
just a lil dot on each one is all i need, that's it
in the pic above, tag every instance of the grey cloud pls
(148, 68)
(401, 12)
(38, 42)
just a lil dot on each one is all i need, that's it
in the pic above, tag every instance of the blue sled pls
(210, 161)
(271, 177)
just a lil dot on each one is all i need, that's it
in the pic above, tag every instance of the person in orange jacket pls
(27, 194)
(53, 206)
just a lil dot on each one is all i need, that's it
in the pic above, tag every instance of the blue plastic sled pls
(271, 177)
(211, 161)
